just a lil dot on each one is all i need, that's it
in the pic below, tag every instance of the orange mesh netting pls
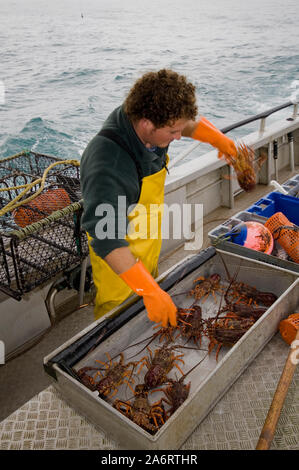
(286, 233)
(288, 327)
(43, 205)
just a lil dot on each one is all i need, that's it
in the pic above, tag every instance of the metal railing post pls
(291, 151)
(262, 125)
(275, 157)
(82, 280)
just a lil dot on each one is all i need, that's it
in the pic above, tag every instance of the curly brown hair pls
(163, 97)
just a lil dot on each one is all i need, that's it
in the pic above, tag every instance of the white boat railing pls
(261, 116)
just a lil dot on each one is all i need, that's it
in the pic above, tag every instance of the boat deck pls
(34, 416)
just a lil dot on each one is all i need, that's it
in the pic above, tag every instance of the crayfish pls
(190, 326)
(165, 332)
(226, 331)
(243, 310)
(177, 391)
(206, 286)
(191, 323)
(114, 375)
(159, 365)
(85, 378)
(243, 164)
(149, 417)
(247, 293)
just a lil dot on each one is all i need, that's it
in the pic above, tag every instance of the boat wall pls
(24, 320)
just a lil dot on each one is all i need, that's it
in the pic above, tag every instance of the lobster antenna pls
(194, 367)
(134, 365)
(227, 290)
(177, 346)
(153, 337)
(225, 266)
(222, 295)
(230, 279)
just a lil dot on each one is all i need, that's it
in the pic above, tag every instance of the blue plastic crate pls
(277, 202)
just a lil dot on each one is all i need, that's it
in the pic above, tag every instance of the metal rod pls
(291, 151)
(82, 280)
(51, 303)
(275, 156)
(269, 162)
(183, 154)
(262, 125)
(256, 117)
(53, 244)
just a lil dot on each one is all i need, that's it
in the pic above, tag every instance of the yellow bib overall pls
(145, 240)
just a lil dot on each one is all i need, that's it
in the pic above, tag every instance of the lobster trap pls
(40, 214)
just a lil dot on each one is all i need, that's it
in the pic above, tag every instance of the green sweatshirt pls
(108, 171)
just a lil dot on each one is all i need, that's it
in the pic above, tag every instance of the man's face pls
(163, 136)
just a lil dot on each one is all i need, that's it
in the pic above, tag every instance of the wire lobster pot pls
(38, 241)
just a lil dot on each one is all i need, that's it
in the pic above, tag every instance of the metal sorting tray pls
(217, 237)
(209, 381)
(292, 186)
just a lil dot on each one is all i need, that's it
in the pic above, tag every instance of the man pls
(128, 159)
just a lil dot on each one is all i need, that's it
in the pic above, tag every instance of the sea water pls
(66, 64)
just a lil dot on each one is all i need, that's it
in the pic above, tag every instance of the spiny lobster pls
(226, 331)
(177, 391)
(159, 365)
(140, 411)
(206, 286)
(116, 373)
(190, 323)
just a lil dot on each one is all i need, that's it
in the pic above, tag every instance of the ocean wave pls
(66, 76)
(63, 76)
(123, 76)
(40, 136)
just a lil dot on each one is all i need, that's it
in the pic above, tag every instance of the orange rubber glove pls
(205, 131)
(158, 303)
